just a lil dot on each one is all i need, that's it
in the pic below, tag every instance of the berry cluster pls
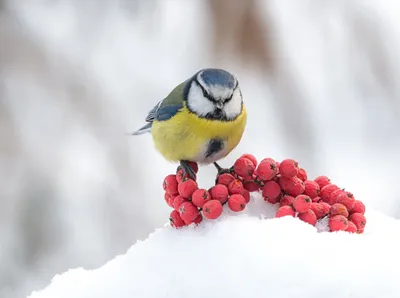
(287, 184)
(283, 183)
(191, 203)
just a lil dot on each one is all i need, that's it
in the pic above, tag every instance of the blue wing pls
(153, 112)
(160, 113)
(165, 109)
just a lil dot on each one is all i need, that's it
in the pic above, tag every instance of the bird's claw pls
(186, 170)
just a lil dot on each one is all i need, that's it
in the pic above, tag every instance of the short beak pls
(220, 104)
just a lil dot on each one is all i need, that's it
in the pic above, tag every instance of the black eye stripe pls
(205, 94)
(229, 99)
(209, 97)
(234, 90)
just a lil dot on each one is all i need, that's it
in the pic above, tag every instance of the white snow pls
(247, 254)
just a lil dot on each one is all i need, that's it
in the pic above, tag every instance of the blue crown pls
(213, 76)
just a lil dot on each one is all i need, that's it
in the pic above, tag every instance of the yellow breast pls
(186, 136)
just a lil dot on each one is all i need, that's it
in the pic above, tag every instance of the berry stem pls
(219, 168)
(259, 182)
(222, 170)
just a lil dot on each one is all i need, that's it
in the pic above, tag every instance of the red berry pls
(326, 207)
(285, 211)
(244, 167)
(359, 220)
(316, 199)
(178, 201)
(351, 228)
(358, 207)
(338, 209)
(251, 186)
(235, 187)
(250, 157)
(289, 168)
(236, 202)
(347, 200)
(195, 221)
(170, 184)
(169, 199)
(267, 169)
(336, 196)
(302, 174)
(272, 200)
(219, 192)
(326, 192)
(187, 188)
(308, 217)
(245, 178)
(198, 219)
(322, 181)
(302, 203)
(271, 190)
(246, 195)
(200, 197)
(212, 209)
(180, 177)
(338, 223)
(188, 211)
(276, 178)
(292, 186)
(175, 220)
(319, 210)
(225, 179)
(286, 200)
(311, 189)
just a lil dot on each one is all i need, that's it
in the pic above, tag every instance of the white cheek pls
(234, 107)
(197, 102)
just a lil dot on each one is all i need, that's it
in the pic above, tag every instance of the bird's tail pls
(144, 129)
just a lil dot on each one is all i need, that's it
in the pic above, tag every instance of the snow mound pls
(247, 255)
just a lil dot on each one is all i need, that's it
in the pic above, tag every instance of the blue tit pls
(201, 120)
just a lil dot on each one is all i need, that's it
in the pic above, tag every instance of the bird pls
(201, 120)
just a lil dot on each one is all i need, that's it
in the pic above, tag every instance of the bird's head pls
(214, 94)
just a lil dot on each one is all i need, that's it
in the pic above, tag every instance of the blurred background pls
(320, 80)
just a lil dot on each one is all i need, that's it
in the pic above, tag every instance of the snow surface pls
(247, 254)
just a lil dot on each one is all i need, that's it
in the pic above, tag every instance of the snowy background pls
(320, 81)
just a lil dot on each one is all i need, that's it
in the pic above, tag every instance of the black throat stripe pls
(214, 146)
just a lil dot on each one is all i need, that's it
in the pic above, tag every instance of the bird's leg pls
(187, 169)
(222, 170)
